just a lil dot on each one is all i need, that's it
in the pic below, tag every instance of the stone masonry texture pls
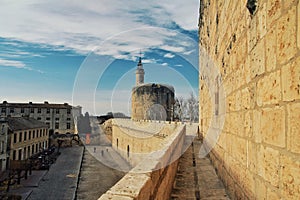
(249, 86)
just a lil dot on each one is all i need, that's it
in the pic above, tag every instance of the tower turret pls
(139, 73)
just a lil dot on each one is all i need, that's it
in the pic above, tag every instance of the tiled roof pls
(24, 123)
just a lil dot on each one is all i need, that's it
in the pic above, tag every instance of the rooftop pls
(35, 105)
(24, 123)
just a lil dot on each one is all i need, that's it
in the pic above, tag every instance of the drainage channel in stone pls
(196, 183)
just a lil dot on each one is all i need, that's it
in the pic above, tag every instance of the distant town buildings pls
(26, 137)
(61, 118)
(151, 101)
(3, 144)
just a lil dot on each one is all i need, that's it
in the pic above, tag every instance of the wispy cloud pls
(84, 25)
(169, 55)
(16, 64)
(13, 63)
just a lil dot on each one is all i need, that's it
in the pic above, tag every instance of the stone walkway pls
(196, 178)
(95, 177)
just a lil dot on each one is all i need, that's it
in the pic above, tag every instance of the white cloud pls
(13, 63)
(17, 64)
(84, 25)
(169, 55)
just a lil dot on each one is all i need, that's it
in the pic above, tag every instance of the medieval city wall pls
(136, 139)
(257, 55)
(153, 177)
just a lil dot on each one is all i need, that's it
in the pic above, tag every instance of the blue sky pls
(85, 52)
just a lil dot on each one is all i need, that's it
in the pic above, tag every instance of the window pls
(39, 110)
(31, 110)
(48, 124)
(20, 154)
(29, 135)
(11, 110)
(48, 110)
(57, 111)
(68, 119)
(22, 110)
(2, 147)
(41, 131)
(3, 110)
(25, 136)
(56, 125)
(33, 134)
(39, 118)
(68, 111)
(28, 151)
(14, 155)
(37, 133)
(47, 118)
(68, 125)
(15, 138)
(32, 149)
(56, 119)
(20, 137)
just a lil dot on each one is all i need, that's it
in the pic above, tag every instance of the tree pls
(187, 109)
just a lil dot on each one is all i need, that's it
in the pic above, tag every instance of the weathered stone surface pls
(273, 126)
(290, 76)
(262, 88)
(271, 44)
(290, 172)
(269, 89)
(273, 11)
(286, 36)
(294, 128)
(257, 62)
(298, 31)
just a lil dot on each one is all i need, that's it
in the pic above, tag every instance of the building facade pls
(61, 118)
(26, 137)
(250, 80)
(151, 101)
(4, 156)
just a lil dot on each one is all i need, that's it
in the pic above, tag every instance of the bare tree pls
(187, 109)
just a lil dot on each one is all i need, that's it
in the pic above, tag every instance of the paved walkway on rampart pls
(196, 178)
(95, 177)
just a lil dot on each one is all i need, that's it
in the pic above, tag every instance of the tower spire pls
(139, 73)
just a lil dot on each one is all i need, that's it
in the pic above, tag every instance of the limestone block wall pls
(136, 139)
(257, 56)
(153, 178)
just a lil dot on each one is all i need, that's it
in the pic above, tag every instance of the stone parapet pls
(153, 177)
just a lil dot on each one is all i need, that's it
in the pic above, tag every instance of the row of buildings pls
(25, 128)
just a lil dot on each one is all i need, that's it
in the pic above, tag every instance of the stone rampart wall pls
(136, 139)
(153, 178)
(257, 54)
